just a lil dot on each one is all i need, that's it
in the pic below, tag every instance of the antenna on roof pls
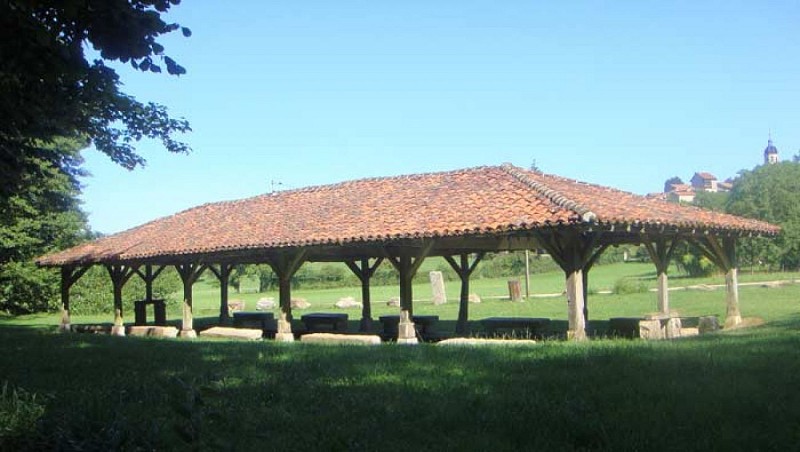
(272, 185)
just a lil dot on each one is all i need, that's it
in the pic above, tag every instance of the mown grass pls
(494, 293)
(733, 390)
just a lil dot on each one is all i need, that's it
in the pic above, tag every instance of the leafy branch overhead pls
(49, 89)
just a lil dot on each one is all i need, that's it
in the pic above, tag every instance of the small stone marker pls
(347, 339)
(406, 333)
(232, 333)
(437, 287)
(393, 302)
(300, 303)
(514, 290)
(265, 304)
(284, 333)
(347, 303)
(474, 298)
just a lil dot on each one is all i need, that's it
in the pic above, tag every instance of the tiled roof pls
(706, 176)
(484, 200)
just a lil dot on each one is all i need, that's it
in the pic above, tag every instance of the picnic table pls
(424, 324)
(534, 325)
(323, 321)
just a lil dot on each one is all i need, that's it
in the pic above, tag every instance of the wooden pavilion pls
(459, 215)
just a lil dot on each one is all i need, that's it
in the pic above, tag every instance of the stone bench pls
(222, 332)
(322, 322)
(532, 325)
(341, 339)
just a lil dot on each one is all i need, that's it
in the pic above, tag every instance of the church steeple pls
(770, 152)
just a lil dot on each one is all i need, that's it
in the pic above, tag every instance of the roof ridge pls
(313, 188)
(553, 195)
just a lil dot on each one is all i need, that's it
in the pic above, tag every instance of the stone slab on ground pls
(153, 331)
(346, 339)
(223, 332)
(465, 341)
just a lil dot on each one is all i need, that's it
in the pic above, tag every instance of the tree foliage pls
(669, 182)
(42, 215)
(49, 89)
(770, 193)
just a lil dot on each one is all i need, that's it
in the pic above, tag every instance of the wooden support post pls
(464, 270)
(407, 267)
(285, 265)
(120, 274)
(724, 256)
(364, 273)
(575, 301)
(575, 253)
(189, 274)
(69, 276)
(733, 315)
(660, 254)
(223, 274)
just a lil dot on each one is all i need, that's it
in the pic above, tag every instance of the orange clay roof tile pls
(469, 201)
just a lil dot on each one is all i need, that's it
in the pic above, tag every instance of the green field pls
(545, 300)
(734, 390)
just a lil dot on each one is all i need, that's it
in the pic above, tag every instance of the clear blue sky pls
(619, 93)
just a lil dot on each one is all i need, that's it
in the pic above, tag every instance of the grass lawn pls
(732, 390)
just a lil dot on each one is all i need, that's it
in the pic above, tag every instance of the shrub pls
(624, 286)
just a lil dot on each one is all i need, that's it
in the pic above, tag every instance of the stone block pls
(347, 303)
(300, 303)
(466, 341)
(474, 298)
(153, 331)
(437, 287)
(672, 328)
(651, 329)
(340, 339)
(265, 304)
(222, 332)
(708, 324)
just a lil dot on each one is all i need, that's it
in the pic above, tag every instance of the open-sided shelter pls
(459, 215)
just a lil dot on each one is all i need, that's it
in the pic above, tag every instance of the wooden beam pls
(69, 276)
(285, 265)
(464, 270)
(120, 275)
(364, 273)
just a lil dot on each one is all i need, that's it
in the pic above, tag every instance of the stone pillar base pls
(732, 321)
(187, 334)
(579, 335)
(284, 337)
(408, 341)
(64, 328)
(118, 330)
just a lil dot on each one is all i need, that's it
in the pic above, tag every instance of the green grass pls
(494, 293)
(731, 390)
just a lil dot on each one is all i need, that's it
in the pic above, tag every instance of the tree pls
(42, 216)
(48, 88)
(671, 181)
(715, 201)
(771, 193)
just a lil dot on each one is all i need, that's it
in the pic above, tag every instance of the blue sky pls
(619, 93)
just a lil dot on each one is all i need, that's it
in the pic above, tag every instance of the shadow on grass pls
(733, 390)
